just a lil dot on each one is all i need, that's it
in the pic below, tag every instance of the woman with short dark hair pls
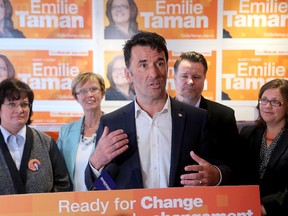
(30, 161)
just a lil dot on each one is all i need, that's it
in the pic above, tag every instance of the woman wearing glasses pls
(120, 88)
(266, 148)
(122, 16)
(30, 161)
(7, 29)
(77, 139)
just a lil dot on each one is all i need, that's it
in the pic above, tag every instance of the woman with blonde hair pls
(77, 139)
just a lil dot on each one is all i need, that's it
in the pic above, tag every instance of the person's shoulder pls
(40, 135)
(113, 94)
(109, 93)
(213, 106)
(249, 130)
(112, 32)
(17, 33)
(110, 90)
(109, 29)
(188, 109)
(126, 109)
(108, 32)
(73, 124)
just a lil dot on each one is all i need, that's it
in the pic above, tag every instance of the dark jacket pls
(189, 132)
(223, 131)
(274, 184)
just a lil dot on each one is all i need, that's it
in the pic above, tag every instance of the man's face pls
(148, 73)
(189, 80)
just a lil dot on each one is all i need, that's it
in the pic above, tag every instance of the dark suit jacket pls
(274, 185)
(189, 132)
(223, 131)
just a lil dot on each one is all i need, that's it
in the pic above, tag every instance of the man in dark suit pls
(189, 75)
(155, 141)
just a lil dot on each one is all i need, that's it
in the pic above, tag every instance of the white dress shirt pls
(154, 139)
(15, 144)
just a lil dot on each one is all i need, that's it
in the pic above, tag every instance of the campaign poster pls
(49, 73)
(61, 19)
(175, 19)
(118, 87)
(109, 56)
(209, 90)
(245, 71)
(256, 18)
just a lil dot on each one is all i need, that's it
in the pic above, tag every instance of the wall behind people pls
(245, 44)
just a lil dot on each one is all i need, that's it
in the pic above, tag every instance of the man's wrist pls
(220, 176)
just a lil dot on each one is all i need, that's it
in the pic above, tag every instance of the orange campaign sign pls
(256, 18)
(190, 201)
(49, 73)
(245, 71)
(63, 19)
(176, 19)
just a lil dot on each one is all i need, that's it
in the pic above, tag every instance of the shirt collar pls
(198, 103)
(7, 134)
(166, 108)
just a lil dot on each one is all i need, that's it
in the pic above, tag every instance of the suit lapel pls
(178, 124)
(279, 149)
(203, 103)
(128, 124)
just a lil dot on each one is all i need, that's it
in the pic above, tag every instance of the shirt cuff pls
(96, 172)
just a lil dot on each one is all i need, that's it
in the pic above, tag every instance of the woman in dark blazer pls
(266, 148)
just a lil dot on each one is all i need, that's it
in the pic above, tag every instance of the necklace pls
(83, 132)
(272, 139)
(268, 138)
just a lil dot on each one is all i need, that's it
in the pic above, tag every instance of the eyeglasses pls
(13, 105)
(120, 7)
(273, 102)
(3, 68)
(84, 92)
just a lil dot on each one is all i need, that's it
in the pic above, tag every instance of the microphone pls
(106, 180)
